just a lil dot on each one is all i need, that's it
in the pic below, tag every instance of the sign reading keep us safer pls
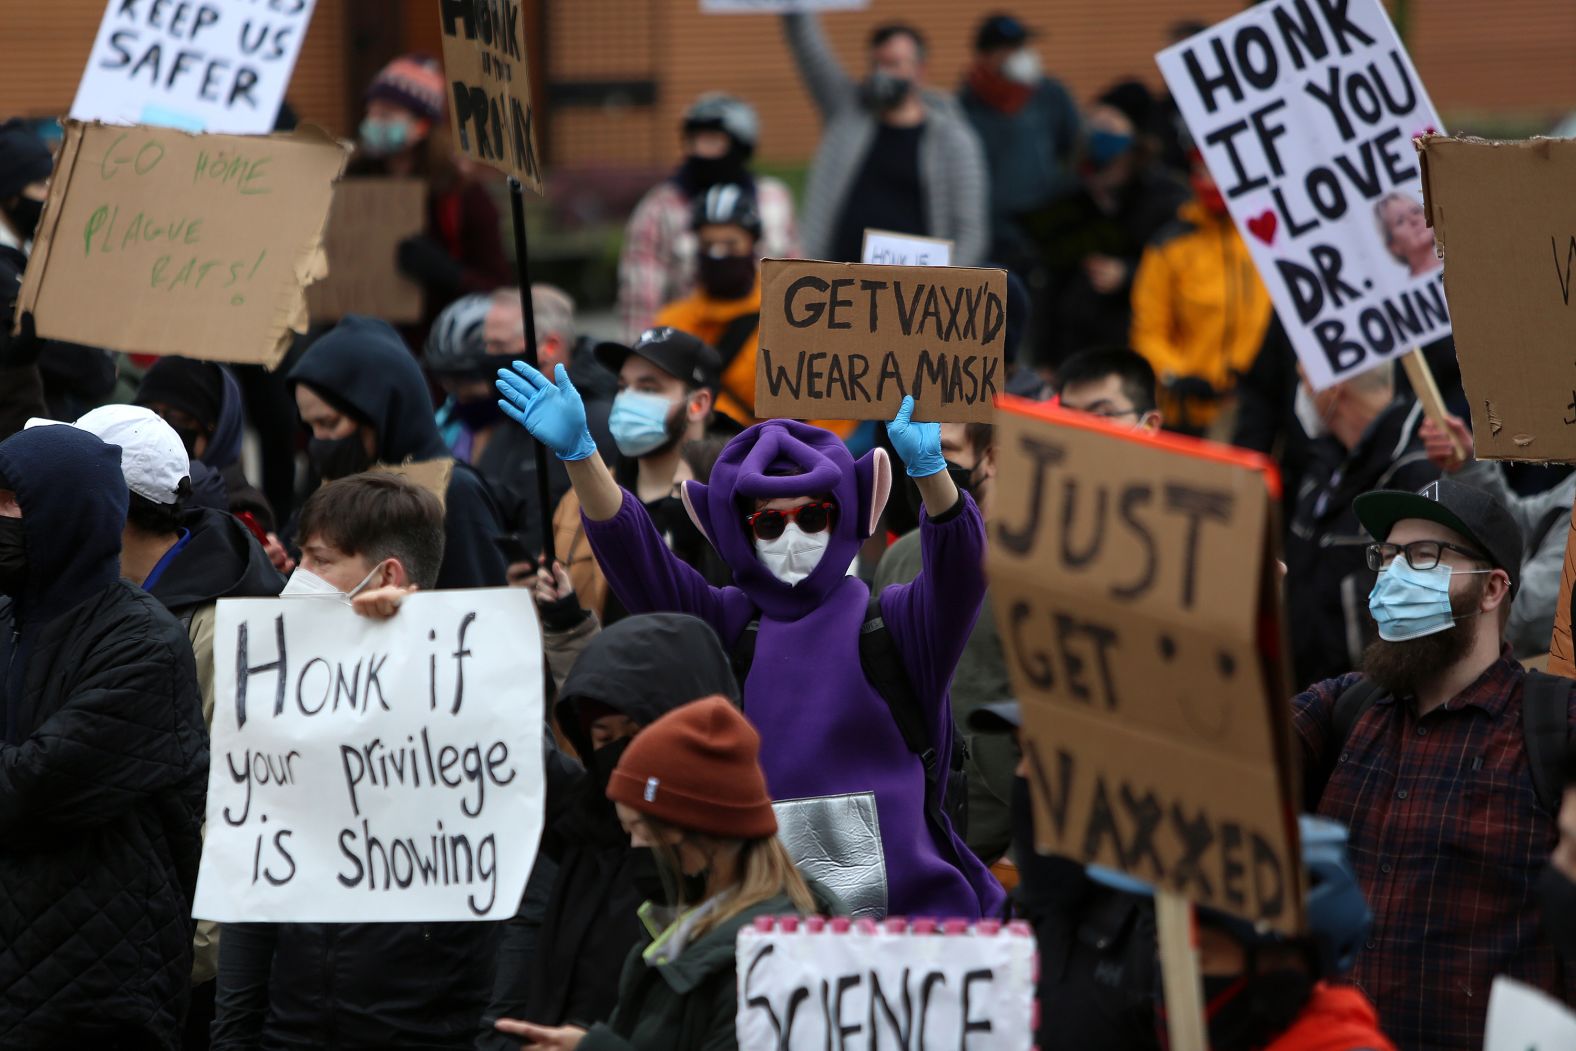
(155, 241)
(1134, 588)
(845, 341)
(373, 770)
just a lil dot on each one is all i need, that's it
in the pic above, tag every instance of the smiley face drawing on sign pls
(1204, 683)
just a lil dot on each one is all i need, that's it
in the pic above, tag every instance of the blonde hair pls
(765, 871)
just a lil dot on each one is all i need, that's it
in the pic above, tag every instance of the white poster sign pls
(1521, 1018)
(886, 248)
(364, 770)
(1305, 114)
(804, 985)
(203, 65)
(777, 7)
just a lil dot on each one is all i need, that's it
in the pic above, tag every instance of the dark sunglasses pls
(812, 518)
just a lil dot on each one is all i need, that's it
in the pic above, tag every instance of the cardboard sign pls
(1505, 222)
(778, 7)
(885, 248)
(1134, 583)
(431, 475)
(489, 75)
(373, 770)
(1562, 656)
(1521, 1018)
(1305, 114)
(366, 223)
(844, 341)
(805, 984)
(215, 65)
(155, 241)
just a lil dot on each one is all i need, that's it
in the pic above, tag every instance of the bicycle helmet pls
(455, 343)
(729, 205)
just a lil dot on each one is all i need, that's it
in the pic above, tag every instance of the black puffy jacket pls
(103, 769)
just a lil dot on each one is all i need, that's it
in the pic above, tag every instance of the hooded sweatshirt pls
(103, 768)
(1336, 1018)
(825, 730)
(641, 667)
(362, 365)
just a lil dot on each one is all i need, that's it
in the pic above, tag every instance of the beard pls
(1401, 668)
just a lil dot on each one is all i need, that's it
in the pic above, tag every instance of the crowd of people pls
(746, 610)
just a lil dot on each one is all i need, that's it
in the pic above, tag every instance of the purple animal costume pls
(824, 729)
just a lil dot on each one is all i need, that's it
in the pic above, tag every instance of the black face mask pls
(478, 415)
(962, 477)
(727, 277)
(699, 174)
(1559, 910)
(657, 884)
(604, 759)
(24, 216)
(188, 437)
(13, 557)
(338, 457)
(883, 92)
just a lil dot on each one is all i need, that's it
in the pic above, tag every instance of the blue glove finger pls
(510, 411)
(531, 375)
(514, 389)
(905, 411)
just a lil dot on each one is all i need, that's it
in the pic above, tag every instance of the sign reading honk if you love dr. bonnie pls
(844, 341)
(367, 771)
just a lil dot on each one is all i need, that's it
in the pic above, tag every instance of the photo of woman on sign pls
(1407, 236)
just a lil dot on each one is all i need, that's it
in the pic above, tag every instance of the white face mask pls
(1022, 66)
(304, 583)
(1308, 414)
(794, 555)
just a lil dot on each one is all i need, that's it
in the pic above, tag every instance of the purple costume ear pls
(874, 472)
(694, 497)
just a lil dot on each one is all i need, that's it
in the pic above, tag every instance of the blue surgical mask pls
(1103, 146)
(1410, 603)
(383, 138)
(639, 422)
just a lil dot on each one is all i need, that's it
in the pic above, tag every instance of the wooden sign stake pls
(1427, 391)
(1179, 972)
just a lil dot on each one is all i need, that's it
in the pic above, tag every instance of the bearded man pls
(1437, 755)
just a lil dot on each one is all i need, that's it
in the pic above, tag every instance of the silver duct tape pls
(836, 840)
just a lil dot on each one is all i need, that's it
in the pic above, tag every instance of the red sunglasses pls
(812, 518)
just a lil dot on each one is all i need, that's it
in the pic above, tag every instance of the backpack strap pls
(743, 654)
(883, 668)
(1347, 710)
(734, 335)
(1545, 721)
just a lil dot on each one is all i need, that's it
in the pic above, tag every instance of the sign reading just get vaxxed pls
(1304, 111)
(845, 341)
(373, 770)
(489, 75)
(197, 245)
(1134, 583)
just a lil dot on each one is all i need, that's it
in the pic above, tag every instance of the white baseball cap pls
(151, 454)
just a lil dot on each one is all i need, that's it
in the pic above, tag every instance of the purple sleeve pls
(932, 617)
(649, 578)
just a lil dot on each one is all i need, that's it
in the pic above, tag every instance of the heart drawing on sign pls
(1263, 227)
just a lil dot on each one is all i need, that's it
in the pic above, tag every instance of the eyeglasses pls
(812, 518)
(1420, 554)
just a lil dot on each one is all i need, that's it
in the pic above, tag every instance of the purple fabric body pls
(824, 729)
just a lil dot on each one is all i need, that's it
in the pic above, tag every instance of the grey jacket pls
(1545, 524)
(951, 160)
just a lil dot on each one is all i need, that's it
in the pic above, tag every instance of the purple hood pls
(786, 458)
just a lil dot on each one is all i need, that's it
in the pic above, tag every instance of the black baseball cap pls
(998, 717)
(679, 354)
(1470, 511)
(1000, 30)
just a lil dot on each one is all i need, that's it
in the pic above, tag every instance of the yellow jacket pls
(1199, 310)
(708, 320)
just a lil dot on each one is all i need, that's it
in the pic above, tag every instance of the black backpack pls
(1545, 700)
(883, 668)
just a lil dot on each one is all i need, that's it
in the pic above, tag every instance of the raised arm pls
(829, 86)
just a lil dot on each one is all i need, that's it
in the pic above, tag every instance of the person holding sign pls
(725, 312)
(787, 508)
(103, 763)
(364, 398)
(1264, 991)
(462, 248)
(690, 789)
(1445, 758)
(1199, 309)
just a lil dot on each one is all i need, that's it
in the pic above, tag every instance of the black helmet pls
(455, 343)
(729, 205)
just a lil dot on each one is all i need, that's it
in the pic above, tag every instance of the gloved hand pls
(428, 263)
(20, 349)
(553, 413)
(918, 445)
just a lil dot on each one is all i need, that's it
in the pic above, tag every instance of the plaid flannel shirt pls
(1448, 839)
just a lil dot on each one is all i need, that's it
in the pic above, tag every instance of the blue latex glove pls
(553, 413)
(918, 445)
